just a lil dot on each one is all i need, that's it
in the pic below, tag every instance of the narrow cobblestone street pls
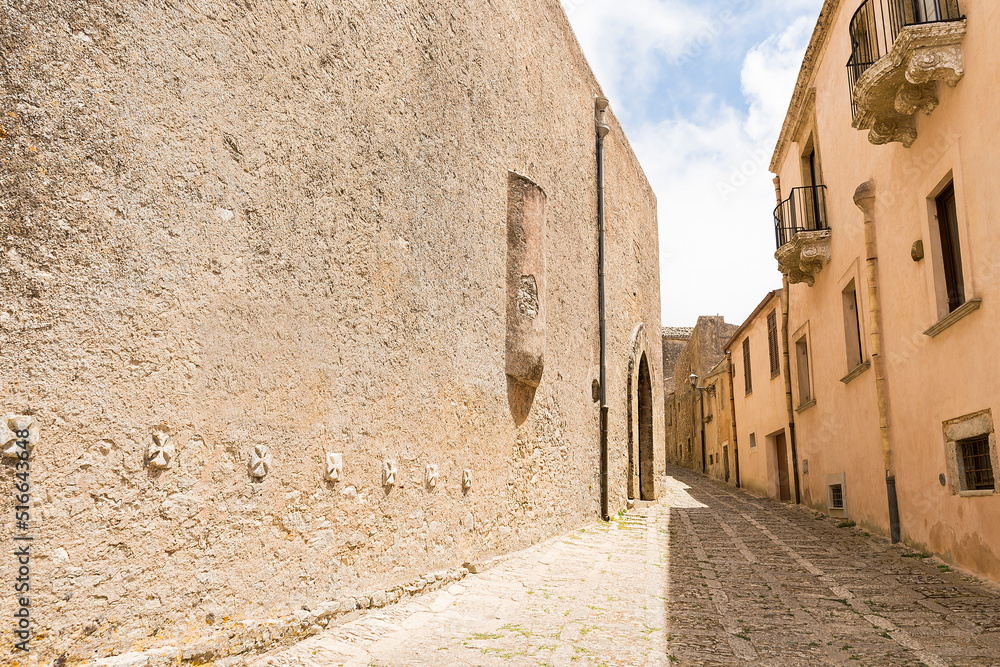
(708, 575)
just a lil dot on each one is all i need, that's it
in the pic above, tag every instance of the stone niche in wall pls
(525, 345)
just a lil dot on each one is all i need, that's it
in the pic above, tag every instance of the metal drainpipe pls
(601, 107)
(792, 439)
(787, 370)
(864, 198)
(732, 414)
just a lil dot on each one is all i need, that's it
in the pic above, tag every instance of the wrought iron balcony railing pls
(803, 211)
(877, 23)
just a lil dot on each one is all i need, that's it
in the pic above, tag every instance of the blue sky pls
(701, 89)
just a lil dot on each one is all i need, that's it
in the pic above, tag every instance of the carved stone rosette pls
(803, 258)
(898, 86)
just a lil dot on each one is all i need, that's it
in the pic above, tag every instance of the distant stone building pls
(302, 305)
(674, 341)
(695, 438)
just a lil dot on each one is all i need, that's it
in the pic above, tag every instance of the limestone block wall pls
(270, 232)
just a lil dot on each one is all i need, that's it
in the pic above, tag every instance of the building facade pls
(302, 303)
(764, 431)
(885, 233)
(699, 428)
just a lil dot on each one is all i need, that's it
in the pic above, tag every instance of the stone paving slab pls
(708, 575)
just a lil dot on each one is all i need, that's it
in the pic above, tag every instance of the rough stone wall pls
(672, 348)
(283, 224)
(704, 350)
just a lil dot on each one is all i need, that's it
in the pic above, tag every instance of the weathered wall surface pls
(763, 412)
(931, 380)
(284, 224)
(704, 350)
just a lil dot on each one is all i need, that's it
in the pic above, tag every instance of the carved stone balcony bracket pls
(803, 258)
(902, 83)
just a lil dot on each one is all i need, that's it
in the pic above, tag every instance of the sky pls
(701, 89)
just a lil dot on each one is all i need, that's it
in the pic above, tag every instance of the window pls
(748, 380)
(772, 343)
(951, 253)
(802, 364)
(976, 464)
(972, 454)
(753, 441)
(852, 327)
(836, 496)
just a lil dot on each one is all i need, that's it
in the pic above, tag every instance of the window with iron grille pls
(748, 380)
(772, 343)
(977, 465)
(836, 496)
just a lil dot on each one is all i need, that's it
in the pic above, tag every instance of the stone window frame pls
(836, 479)
(976, 424)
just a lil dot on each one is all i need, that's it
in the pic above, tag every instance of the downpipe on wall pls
(602, 128)
(864, 199)
(786, 363)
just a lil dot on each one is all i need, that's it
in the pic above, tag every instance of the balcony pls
(802, 234)
(899, 50)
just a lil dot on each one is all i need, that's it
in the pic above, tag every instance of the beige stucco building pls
(764, 433)
(301, 305)
(886, 235)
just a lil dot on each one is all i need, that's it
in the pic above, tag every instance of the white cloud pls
(709, 166)
(770, 70)
(629, 42)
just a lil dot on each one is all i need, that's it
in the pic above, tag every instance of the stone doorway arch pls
(641, 458)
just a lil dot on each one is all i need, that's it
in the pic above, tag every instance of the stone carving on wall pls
(260, 461)
(466, 479)
(334, 466)
(803, 258)
(388, 473)
(161, 451)
(19, 433)
(431, 476)
(525, 344)
(899, 85)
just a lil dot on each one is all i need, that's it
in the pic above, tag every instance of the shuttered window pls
(746, 365)
(772, 343)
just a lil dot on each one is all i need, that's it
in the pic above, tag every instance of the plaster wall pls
(763, 411)
(930, 380)
(283, 224)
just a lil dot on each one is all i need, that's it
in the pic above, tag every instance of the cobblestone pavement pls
(708, 575)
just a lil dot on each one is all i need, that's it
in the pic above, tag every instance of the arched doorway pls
(647, 487)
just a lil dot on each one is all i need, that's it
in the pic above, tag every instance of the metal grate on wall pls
(836, 497)
(977, 463)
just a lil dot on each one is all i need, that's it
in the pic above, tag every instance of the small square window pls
(977, 464)
(971, 454)
(836, 497)
(753, 441)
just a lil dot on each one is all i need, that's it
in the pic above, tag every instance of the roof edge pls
(773, 294)
(801, 92)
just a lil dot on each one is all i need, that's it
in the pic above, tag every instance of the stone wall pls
(281, 225)
(704, 350)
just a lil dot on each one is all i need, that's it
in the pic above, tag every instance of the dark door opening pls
(647, 488)
(725, 462)
(781, 454)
